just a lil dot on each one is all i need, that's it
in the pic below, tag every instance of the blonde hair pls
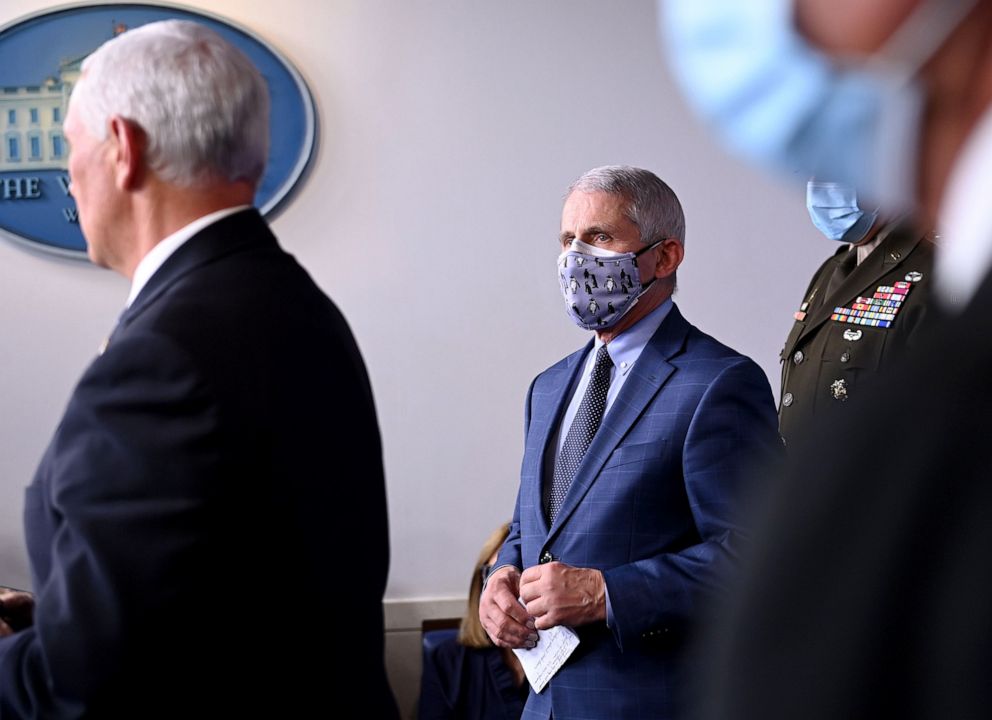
(471, 632)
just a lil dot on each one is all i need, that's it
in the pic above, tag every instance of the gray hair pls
(650, 204)
(202, 104)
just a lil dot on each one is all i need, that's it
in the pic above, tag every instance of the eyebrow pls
(592, 230)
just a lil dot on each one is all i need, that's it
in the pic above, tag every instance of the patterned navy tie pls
(584, 427)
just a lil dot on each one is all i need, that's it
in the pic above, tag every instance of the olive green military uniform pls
(849, 328)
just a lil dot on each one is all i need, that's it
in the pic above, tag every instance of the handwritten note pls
(553, 648)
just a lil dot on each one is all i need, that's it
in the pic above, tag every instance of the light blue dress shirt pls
(624, 350)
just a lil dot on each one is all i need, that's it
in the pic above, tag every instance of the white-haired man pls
(177, 525)
(636, 464)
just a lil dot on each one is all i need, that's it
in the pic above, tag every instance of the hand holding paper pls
(502, 615)
(560, 594)
(553, 648)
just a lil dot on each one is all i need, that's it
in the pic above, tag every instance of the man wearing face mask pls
(870, 591)
(636, 461)
(861, 312)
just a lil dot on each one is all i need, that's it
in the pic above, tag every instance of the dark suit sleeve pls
(434, 703)
(125, 485)
(732, 431)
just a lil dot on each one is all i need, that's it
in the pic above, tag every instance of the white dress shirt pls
(157, 256)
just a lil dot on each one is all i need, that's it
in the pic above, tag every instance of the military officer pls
(861, 310)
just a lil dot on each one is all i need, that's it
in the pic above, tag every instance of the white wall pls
(450, 129)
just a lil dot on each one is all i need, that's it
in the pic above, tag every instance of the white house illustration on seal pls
(31, 119)
(31, 122)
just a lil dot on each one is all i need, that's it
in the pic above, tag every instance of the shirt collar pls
(157, 256)
(865, 249)
(626, 347)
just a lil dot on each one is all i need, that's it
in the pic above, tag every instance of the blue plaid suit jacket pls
(655, 506)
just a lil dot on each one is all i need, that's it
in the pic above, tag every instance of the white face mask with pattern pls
(599, 286)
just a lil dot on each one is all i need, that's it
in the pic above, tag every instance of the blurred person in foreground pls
(870, 591)
(177, 527)
(637, 464)
(469, 678)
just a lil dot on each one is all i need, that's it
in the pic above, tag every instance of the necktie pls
(844, 268)
(580, 434)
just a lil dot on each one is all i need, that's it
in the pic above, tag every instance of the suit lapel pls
(546, 418)
(648, 375)
(889, 254)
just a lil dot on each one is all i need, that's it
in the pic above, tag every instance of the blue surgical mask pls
(833, 208)
(599, 286)
(779, 101)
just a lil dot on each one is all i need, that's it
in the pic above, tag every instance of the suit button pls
(845, 356)
(798, 357)
(787, 399)
(546, 557)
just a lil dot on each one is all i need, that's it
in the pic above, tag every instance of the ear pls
(128, 148)
(669, 256)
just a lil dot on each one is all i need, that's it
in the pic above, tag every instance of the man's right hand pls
(17, 612)
(504, 618)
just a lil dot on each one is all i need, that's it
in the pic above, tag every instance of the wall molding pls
(408, 614)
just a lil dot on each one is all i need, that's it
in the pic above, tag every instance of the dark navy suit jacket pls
(467, 683)
(655, 505)
(185, 525)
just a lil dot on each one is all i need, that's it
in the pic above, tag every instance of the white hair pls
(650, 204)
(202, 104)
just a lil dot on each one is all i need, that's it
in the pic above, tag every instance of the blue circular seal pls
(40, 59)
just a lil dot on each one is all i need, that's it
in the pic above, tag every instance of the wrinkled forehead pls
(585, 202)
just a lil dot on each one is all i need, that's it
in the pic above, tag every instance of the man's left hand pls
(559, 594)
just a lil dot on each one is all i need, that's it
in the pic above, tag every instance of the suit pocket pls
(854, 346)
(852, 355)
(644, 453)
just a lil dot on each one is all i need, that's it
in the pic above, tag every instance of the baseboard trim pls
(407, 614)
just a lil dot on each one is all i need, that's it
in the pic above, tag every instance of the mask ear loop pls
(649, 247)
(898, 61)
(918, 38)
(644, 287)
